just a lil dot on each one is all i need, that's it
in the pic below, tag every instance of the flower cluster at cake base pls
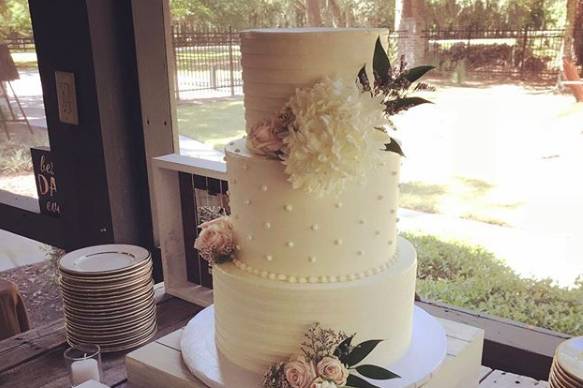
(216, 241)
(328, 360)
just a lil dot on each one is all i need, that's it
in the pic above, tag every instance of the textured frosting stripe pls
(259, 321)
(276, 62)
(292, 235)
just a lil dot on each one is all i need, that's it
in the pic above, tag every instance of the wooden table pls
(35, 359)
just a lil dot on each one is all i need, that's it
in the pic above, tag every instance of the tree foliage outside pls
(456, 14)
(14, 19)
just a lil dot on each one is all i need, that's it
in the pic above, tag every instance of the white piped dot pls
(313, 279)
(315, 227)
(324, 279)
(338, 241)
(288, 207)
(272, 276)
(342, 278)
(392, 211)
(377, 232)
(238, 247)
(375, 270)
(290, 244)
(267, 225)
(245, 167)
(390, 242)
(393, 173)
(268, 257)
(302, 280)
(380, 197)
(255, 271)
(249, 237)
(264, 188)
(312, 259)
(263, 274)
(333, 279)
(360, 252)
(281, 276)
(353, 276)
(292, 279)
(361, 221)
(247, 202)
(338, 205)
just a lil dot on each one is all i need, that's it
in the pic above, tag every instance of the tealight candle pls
(84, 370)
(84, 363)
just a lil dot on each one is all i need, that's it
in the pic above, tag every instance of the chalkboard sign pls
(49, 197)
(8, 71)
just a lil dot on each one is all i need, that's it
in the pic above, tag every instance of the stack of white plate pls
(108, 296)
(567, 369)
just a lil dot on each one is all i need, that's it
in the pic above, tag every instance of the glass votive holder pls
(83, 363)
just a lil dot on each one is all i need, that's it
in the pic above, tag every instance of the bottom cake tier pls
(260, 321)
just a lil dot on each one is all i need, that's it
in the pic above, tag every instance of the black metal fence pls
(524, 53)
(206, 60)
(19, 43)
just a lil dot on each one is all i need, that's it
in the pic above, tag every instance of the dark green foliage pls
(469, 276)
(376, 372)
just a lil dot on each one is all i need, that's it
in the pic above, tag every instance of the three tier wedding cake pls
(308, 264)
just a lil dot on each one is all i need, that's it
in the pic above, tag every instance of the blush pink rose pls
(266, 138)
(215, 242)
(299, 372)
(330, 368)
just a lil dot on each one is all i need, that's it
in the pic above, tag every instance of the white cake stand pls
(205, 361)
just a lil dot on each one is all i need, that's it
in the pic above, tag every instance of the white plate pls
(569, 356)
(199, 352)
(102, 259)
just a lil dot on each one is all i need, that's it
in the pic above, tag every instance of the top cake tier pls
(278, 61)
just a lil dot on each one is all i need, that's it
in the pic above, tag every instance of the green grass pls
(212, 122)
(469, 276)
(421, 196)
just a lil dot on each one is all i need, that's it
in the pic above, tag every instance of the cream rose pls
(215, 242)
(266, 138)
(299, 372)
(330, 368)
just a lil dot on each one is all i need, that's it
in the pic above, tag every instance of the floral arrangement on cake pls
(329, 133)
(328, 360)
(216, 242)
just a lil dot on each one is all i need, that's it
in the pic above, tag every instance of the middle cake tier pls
(286, 234)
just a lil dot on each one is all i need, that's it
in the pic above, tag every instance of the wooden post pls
(524, 46)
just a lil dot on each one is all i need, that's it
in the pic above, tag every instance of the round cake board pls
(205, 361)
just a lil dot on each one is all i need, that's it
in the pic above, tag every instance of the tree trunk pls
(313, 13)
(578, 34)
(408, 19)
(570, 20)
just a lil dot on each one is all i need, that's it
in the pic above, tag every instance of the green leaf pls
(402, 104)
(343, 349)
(394, 146)
(376, 372)
(360, 351)
(362, 79)
(357, 382)
(415, 73)
(381, 65)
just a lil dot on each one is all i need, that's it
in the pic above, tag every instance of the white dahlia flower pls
(332, 139)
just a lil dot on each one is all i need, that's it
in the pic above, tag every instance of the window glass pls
(490, 193)
(22, 115)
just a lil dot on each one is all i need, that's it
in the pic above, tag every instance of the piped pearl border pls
(317, 279)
